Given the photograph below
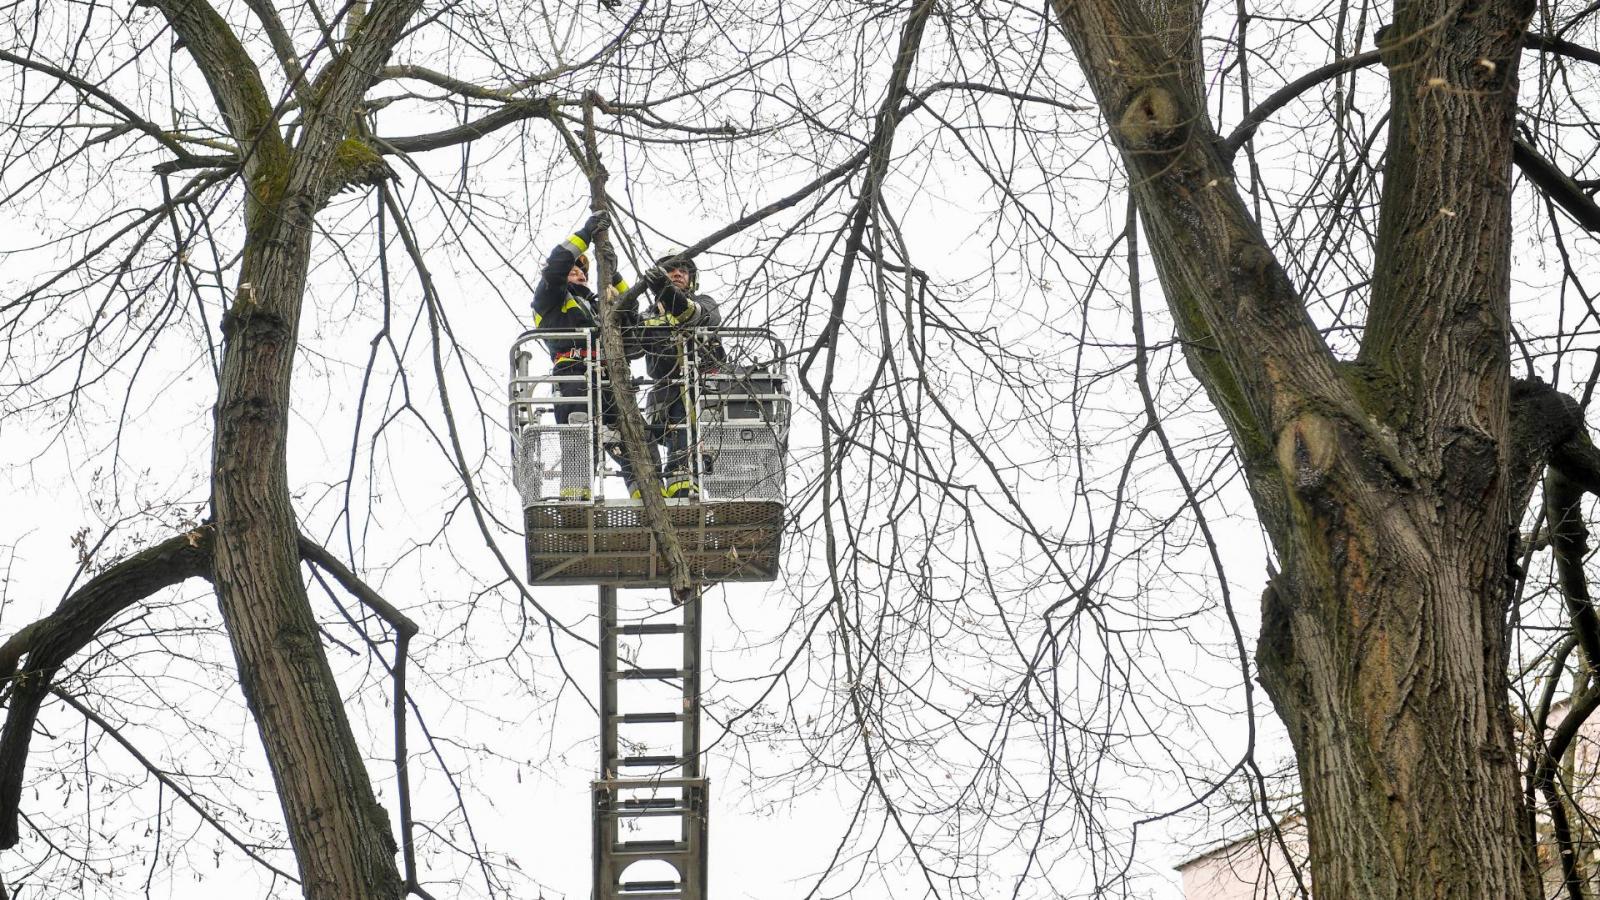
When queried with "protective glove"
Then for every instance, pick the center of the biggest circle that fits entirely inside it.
(655, 278)
(600, 219)
(674, 303)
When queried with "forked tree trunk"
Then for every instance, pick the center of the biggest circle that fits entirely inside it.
(1385, 485)
(341, 836)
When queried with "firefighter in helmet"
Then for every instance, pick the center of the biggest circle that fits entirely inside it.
(673, 357)
(563, 301)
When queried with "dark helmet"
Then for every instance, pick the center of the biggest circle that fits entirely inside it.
(582, 262)
(676, 260)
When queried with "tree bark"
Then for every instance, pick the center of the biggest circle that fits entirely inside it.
(1383, 654)
(1385, 486)
(341, 836)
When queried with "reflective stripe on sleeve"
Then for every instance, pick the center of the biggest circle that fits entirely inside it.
(578, 243)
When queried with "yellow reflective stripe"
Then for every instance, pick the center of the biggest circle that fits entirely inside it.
(680, 487)
(691, 311)
(570, 305)
(622, 286)
(578, 243)
(537, 320)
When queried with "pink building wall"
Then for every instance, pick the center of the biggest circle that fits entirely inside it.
(1256, 867)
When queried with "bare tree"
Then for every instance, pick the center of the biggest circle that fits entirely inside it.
(1023, 478)
(270, 112)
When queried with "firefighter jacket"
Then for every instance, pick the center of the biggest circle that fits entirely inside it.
(668, 319)
(671, 310)
(559, 306)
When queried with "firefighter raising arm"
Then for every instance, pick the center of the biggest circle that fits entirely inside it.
(562, 301)
(674, 283)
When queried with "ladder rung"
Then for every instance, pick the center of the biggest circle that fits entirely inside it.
(650, 886)
(650, 761)
(649, 718)
(641, 674)
(675, 894)
(649, 848)
(649, 803)
(650, 628)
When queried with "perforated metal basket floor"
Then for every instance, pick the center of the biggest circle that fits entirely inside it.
(611, 542)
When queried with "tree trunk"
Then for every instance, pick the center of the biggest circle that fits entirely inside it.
(341, 836)
(1384, 653)
(1385, 485)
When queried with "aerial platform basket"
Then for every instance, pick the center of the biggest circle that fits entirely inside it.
(581, 525)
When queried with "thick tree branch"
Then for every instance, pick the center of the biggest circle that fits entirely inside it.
(449, 82)
(1440, 309)
(404, 629)
(338, 89)
(1244, 327)
(1547, 428)
(1545, 423)
(509, 114)
(1557, 185)
(234, 81)
(1552, 44)
(1285, 95)
(49, 642)
(282, 46)
(1578, 459)
(1578, 712)
(314, 552)
(635, 436)
(1569, 541)
(1574, 470)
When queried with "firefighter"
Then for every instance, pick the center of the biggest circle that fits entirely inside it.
(562, 301)
(677, 306)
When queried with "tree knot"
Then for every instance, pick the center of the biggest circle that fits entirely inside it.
(1151, 120)
(1308, 450)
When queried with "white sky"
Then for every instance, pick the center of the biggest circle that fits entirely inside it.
(518, 739)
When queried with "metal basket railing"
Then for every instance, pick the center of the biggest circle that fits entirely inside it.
(730, 430)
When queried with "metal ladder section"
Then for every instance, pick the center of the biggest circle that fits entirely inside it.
(650, 801)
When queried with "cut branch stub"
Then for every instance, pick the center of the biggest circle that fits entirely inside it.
(1151, 121)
